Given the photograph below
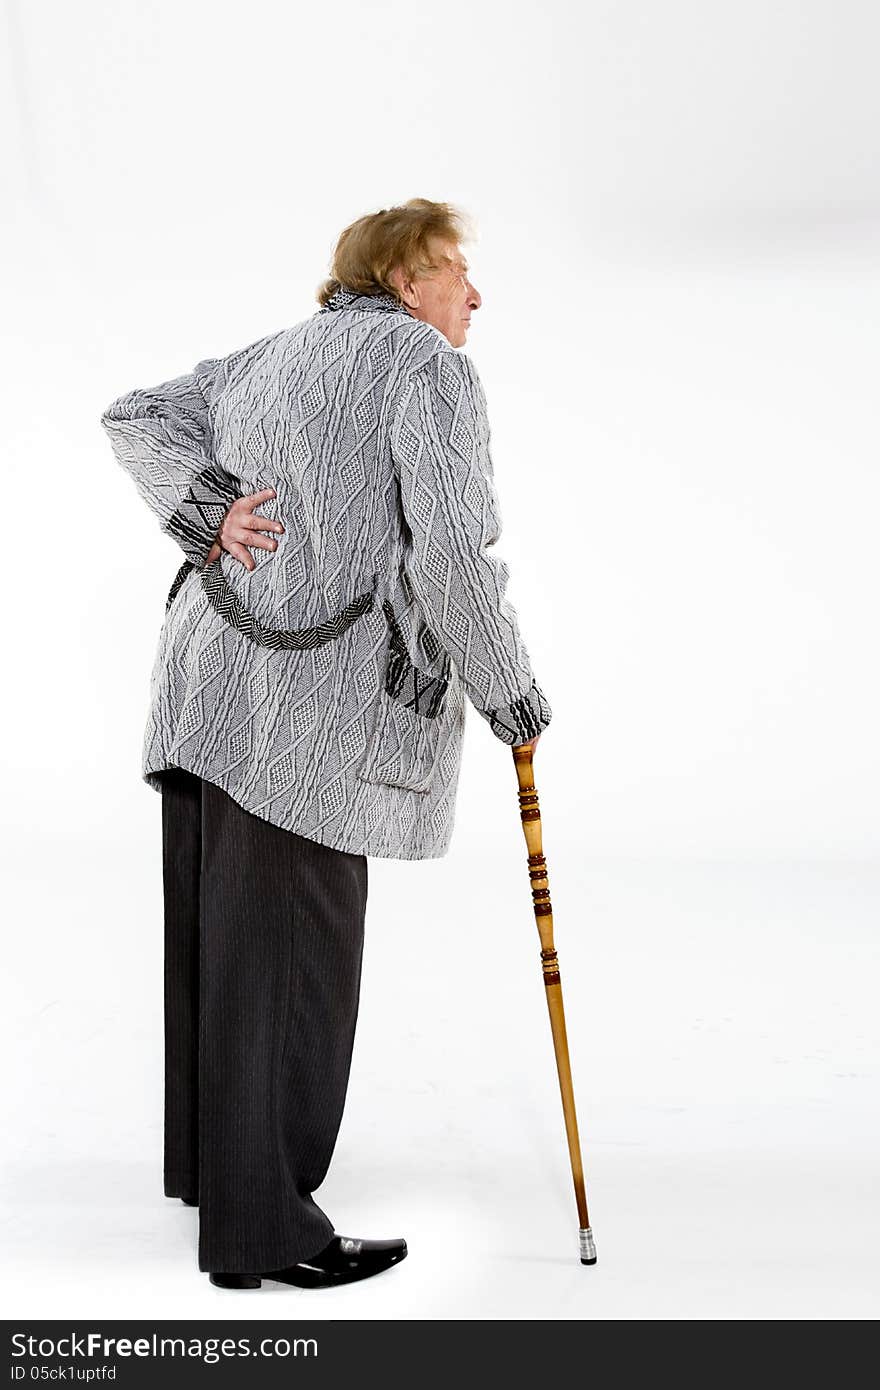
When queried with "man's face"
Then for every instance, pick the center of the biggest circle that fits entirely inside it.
(446, 298)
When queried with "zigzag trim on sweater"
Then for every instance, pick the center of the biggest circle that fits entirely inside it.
(230, 607)
(406, 682)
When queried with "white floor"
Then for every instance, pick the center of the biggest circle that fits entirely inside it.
(723, 1030)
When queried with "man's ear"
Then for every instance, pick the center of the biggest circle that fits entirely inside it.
(405, 288)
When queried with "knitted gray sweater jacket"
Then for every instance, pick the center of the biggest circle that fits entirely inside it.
(326, 690)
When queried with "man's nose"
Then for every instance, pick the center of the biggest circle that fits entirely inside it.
(474, 299)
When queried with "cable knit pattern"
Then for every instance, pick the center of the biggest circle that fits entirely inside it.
(326, 690)
(158, 438)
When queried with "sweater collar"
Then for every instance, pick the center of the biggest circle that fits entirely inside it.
(345, 298)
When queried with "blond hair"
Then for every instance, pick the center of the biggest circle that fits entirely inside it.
(370, 248)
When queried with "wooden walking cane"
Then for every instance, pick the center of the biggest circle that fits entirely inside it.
(530, 814)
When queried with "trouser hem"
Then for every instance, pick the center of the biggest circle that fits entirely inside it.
(280, 1257)
(180, 1185)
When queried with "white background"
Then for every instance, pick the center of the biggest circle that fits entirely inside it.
(678, 214)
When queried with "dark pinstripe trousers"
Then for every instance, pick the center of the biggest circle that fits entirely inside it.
(264, 936)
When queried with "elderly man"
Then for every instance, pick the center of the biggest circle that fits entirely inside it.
(331, 488)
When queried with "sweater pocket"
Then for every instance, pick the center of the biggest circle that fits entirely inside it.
(404, 748)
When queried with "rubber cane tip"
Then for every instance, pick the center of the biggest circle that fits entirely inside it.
(590, 1262)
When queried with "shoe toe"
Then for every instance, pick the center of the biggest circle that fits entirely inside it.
(348, 1258)
(348, 1245)
(345, 1260)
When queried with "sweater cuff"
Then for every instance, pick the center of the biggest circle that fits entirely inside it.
(197, 520)
(521, 720)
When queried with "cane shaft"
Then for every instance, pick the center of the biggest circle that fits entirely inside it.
(566, 1089)
(530, 814)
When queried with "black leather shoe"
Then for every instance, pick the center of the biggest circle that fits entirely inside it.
(341, 1262)
(190, 1201)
